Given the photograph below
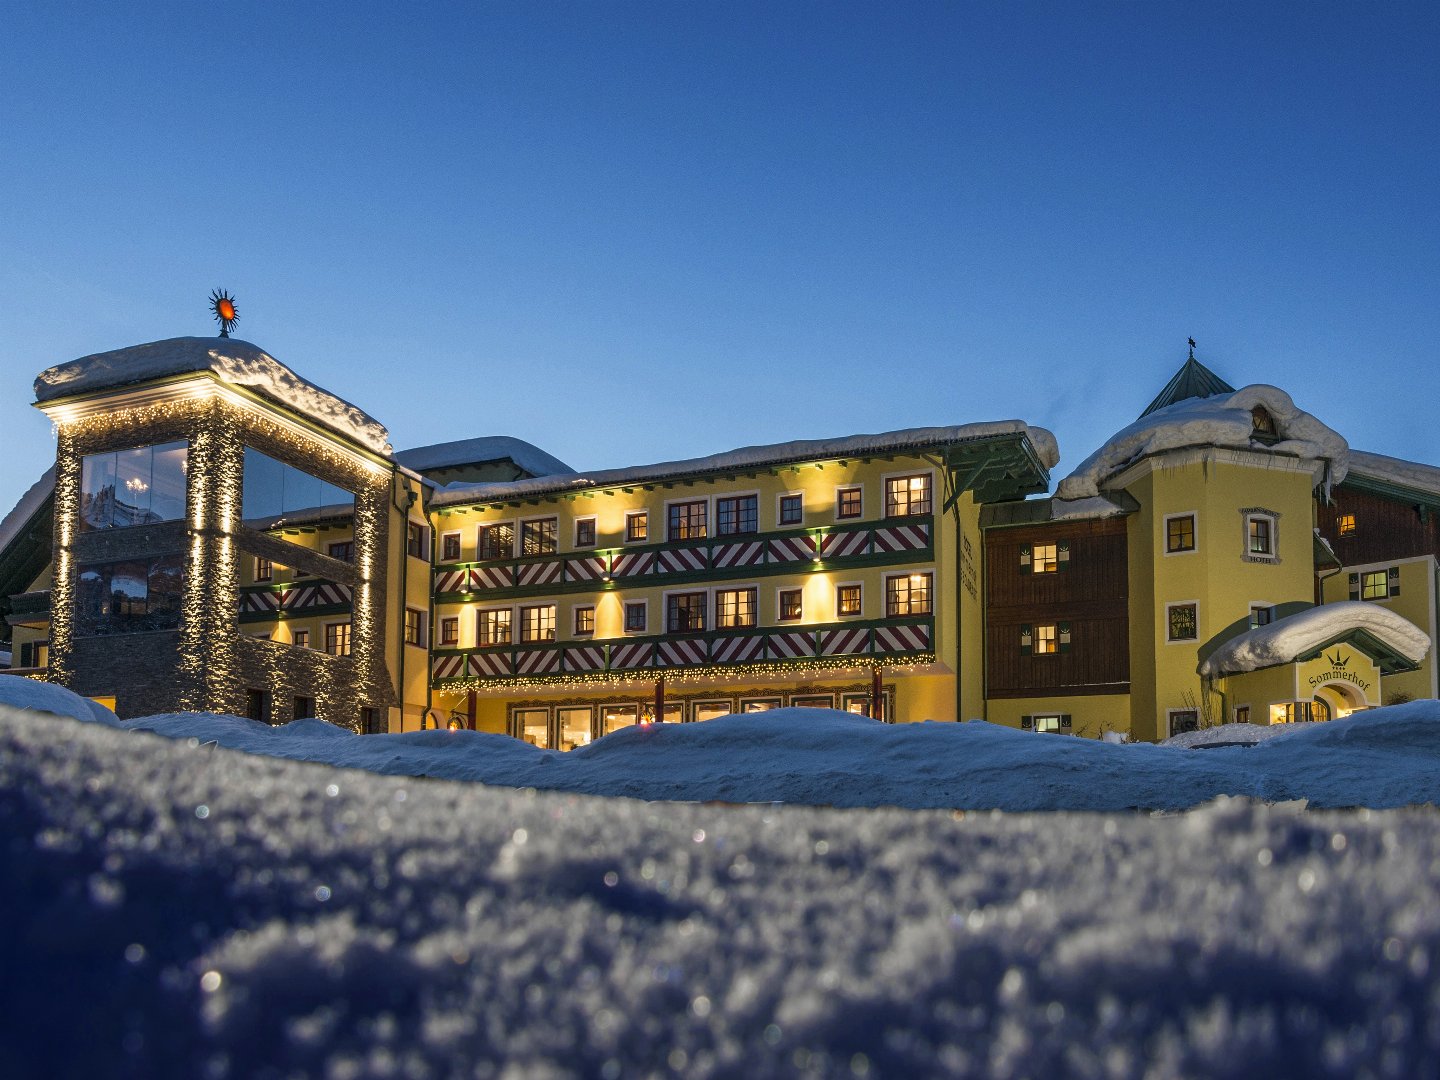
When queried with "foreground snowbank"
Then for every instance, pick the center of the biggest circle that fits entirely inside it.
(201, 913)
(19, 692)
(1387, 757)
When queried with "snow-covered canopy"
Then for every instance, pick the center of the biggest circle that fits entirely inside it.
(232, 361)
(487, 448)
(1409, 474)
(1286, 640)
(1224, 420)
(21, 513)
(750, 457)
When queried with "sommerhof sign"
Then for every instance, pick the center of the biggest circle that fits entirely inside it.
(1341, 664)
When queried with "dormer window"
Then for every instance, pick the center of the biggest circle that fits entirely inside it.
(1263, 424)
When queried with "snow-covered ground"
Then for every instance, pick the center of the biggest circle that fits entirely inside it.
(170, 907)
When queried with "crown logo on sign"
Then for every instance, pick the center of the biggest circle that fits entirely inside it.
(1337, 660)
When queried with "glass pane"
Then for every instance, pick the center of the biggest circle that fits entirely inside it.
(271, 489)
(167, 492)
(166, 578)
(614, 717)
(574, 727)
(710, 710)
(97, 491)
(534, 726)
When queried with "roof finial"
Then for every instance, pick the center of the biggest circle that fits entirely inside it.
(1192, 348)
(222, 306)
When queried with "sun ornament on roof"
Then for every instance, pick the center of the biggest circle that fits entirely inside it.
(222, 305)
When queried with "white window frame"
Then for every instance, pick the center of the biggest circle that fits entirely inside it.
(1194, 517)
(575, 631)
(1183, 603)
(779, 499)
(1250, 612)
(459, 535)
(835, 600)
(779, 589)
(514, 537)
(575, 533)
(1258, 513)
(924, 571)
(885, 479)
(625, 621)
(625, 537)
(709, 502)
(849, 487)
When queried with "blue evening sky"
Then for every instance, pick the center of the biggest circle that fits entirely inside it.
(635, 232)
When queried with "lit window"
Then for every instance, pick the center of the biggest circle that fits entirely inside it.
(1182, 622)
(908, 594)
(337, 639)
(792, 509)
(300, 639)
(1375, 585)
(450, 631)
(539, 537)
(493, 627)
(906, 496)
(584, 620)
(414, 627)
(537, 623)
(1046, 640)
(687, 520)
(1180, 533)
(450, 547)
(1051, 724)
(264, 569)
(734, 607)
(496, 541)
(635, 617)
(736, 515)
(533, 726)
(685, 612)
(1045, 559)
(848, 503)
(847, 600)
(133, 487)
(1345, 524)
(584, 532)
(574, 723)
(790, 604)
(1261, 531)
(344, 550)
(637, 527)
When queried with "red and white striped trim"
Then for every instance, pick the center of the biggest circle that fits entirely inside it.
(537, 662)
(748, 554)
(539, 573)
(681, 561)
(447, 581)
(316, 594)
(902, 538)
(490, 665)
(259, 602)
(447, 667)
(738, 650)
(586, 568)
(491, 577)
(632, 565)
(682, 653)
(845, 642)
(633, 654)
(792, 549)
(585, 658)
(789, 646)
(840, 545)
(899, 639)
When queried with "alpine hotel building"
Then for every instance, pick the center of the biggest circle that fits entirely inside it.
(219, 534)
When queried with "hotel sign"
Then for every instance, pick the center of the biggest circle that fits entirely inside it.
(1340, 664)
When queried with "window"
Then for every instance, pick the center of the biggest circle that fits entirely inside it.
(450, 547)
(1047, 723)
(539, 536)
(264, 569)
(1261, 615)
(257, 705)
(584, 620)
(734, 608)
(908, 594)
(1375, 584)
(790, 604)
(1046, 640)
(637, 526)
(1183, 720)
(492, 627)
(130, 597)
(1261, 532)
(1242, 714)
(270, 490)
(304, 707)
(736, 514)
(344, 550)
(792, 509)
(1182, 622)
(906, 496)
(1345, 524)
(495, 541)
(450, 631)
(847, 600)
(300, 639)
(685, 612)
(533, 726)
(337, 639)
(585, 532)
(1180, 533)
(635, 616)
(687, 520)
(848, 503)
(417, 541)
(34, 654)
(414, 627)
(574, 723)
(133, 487)
(1262, 423)
(1046, 559)
(537, 623)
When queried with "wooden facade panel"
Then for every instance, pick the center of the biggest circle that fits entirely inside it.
(1097, 661)
(1095, 570)
(1384, 529)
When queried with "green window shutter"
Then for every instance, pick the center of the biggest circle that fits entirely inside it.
(1394, 579)
(1027, 723)
(1024, 558)
(1026, 640)
(1354, 586)
(1062, 557)
(1064, 632)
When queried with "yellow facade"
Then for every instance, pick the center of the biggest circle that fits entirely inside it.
(1415, 601)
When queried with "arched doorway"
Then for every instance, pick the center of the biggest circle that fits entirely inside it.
(1336, 700)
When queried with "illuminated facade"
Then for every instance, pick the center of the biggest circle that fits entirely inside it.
(219, 534)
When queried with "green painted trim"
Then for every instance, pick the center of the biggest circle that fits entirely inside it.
(296, 614)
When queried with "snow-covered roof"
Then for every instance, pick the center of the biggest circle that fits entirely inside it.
(232, 361)
(750, 457)
(449, 455)
(24, 510)
(1410, 474)
(1223, 420)
(1286, 640)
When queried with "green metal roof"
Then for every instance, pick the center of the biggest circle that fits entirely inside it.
(1193, 380)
